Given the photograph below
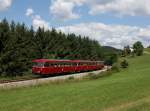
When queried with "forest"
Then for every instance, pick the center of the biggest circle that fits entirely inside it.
(19, 45)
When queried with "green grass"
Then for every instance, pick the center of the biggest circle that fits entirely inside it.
(128, 90)
(147, 49)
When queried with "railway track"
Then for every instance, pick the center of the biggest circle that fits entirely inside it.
(7, 84)
(16, 80)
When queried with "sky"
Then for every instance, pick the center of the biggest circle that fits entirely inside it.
(114, 23)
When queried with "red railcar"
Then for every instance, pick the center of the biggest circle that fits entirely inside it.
(47, 67)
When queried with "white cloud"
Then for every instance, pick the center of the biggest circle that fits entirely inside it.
(77, 2)
(4, 4)
(112, 35)
(29, 12)
(121, 7)
(37, 21)
(63, 9)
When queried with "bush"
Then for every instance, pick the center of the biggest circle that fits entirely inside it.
(115, 67)
(93, 76)
(124, 64)
(111, 59)
(71, 78)
(138, 48)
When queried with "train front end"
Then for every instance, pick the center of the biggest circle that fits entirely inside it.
(38, 67)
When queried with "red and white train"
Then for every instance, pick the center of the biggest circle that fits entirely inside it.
(49, 67)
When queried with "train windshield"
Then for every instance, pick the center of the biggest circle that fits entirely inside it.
(38, 64)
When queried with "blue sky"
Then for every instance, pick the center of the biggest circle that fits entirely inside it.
(112, 22)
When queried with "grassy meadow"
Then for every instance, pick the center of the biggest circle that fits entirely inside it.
(128, 90)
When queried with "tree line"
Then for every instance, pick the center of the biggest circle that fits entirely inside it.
(137, 49)
(19, 45)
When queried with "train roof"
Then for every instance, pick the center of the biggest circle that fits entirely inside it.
(57, 60)
(50, 60)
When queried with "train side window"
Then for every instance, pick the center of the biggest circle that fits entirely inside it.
(82, 64)
(56, 65)
(50, 64)
(46, 64)
(74, 64)
(59, 64)
(63, 65)
(53, 64)
(67, 64)
(79, 64)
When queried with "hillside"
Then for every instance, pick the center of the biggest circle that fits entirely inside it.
(147, 51)
(109, 49)
(127, 90)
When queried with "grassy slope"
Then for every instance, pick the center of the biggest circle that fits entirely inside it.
(125, 91)
(148, 49)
